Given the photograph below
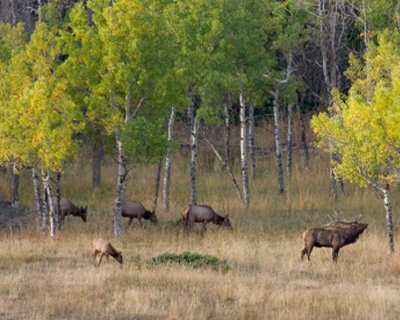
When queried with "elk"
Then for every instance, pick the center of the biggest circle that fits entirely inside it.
(68, 208)
(136, 210)
(332, 236)
(105, 249)
(203, 214)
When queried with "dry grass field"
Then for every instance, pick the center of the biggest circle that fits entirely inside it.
(44, 279)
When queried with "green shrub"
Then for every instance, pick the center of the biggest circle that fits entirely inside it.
(194, 260)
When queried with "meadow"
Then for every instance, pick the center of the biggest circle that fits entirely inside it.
(44, 279)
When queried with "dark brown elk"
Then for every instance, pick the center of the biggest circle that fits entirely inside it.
(136, 210)
(68, 208)
(334, 237)
(105, 249)
(203, 214)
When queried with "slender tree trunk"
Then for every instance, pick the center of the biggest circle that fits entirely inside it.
(303, 136)
(38, 200)
(227, 120)
(251, 142)
(13, 16)
(46, 178)
(39, 10)
(277, 134)
(58, 217)
(168, 161)
(389, 218)
(289, 141)
(46, 207)
(122, 173)
(228, 167)
(14, 184)
(243, 150)
(157, 186)
(194, 128)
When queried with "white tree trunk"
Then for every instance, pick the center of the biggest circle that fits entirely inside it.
(277, 135)
(122, 173)
(38, 199)
(157, 186)
(227, 120)
(194, 128)
(168, 161)
(289, 141)
(46, 178)
(251, 143)
(389, 218)
(243, 150)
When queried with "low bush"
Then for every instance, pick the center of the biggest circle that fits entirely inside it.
(194, 260)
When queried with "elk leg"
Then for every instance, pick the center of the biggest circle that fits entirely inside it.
(95, 252)
(101, 257)
(140, 222)
(107, 256)
(130, 221)
(303, 252)
(335, 254)
(309, 250)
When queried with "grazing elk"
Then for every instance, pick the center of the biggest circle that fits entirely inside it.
(203, 214)
(68, 208)
(136, 210)
(105, 249)
(334, 237)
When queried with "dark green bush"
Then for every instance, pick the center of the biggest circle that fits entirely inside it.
(194, 260)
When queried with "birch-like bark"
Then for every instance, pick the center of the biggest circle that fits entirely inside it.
(13, 16)
(97, 156)
(157, 186)
(289, 141)
(38, 200)
(50, 198)
(389, 218)
(227, 120)
(122, 173)
(277, 136)
(39, 10)
(194, 133)
(251, 142)
(303, 136)
(243, 150)
(45, 206)
(168, 161)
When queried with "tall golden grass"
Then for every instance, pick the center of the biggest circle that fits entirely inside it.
(44, 279)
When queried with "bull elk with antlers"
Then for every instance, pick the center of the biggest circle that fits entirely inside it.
(334, 235)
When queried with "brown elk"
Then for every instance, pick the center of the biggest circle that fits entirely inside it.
(68, 208)
(136, 210)
(203, 214)
(105, 249)
(332, 236)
